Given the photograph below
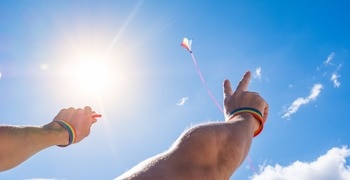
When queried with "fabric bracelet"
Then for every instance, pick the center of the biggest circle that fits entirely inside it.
(71, 132)
(254, 112)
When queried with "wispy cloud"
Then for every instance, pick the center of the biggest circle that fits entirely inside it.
(329, 58)
(315, 91)
(257, 73)
(330, 70)
(182, 101)
(334, 79)
(0, 74)
(331, 165)
(293, 108)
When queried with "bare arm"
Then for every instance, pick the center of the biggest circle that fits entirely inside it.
(212, 150)
(18, 143)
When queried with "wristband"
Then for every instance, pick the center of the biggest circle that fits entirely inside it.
(254, 112)
(71, 132)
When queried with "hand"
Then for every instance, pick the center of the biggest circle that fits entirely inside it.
(80, 119)
(243, 98)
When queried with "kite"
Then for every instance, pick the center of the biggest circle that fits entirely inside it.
(187, 43)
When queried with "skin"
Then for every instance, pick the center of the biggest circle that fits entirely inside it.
(37, 138)
(212, 150)
(206, 151)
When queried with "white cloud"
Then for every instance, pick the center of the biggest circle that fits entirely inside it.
(182, 101)
(257, 73)
(334, 79)
(315, 91)
(293, 108)
(0, 75)
(335, 75)
(329, 58)
(331, 165)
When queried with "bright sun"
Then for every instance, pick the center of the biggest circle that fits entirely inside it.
(91, 75)
(92, 68)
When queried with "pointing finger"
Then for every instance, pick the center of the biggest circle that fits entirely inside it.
(243, 84)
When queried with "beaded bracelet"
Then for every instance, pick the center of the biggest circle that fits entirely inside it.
(254, 112)
(71, 132)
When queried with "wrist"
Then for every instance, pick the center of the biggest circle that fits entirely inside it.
(59, 135)
(251, 114)
(246, 117)
(249, 117)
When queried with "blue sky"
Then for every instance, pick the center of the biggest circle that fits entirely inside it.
(123, 58)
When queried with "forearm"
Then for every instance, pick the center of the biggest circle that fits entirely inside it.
(222, 146)
(218, 148)
(240, 131)
(209, 151)
(212, 150)
(19, 143)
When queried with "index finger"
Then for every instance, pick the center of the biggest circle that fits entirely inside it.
(243, 84)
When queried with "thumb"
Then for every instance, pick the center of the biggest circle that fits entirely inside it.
(227, 88)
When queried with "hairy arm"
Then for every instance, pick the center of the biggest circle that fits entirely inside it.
(18, 143)
(212, 150)
(209, 151)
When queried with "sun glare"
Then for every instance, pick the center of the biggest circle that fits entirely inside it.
(88, 75)
(92, 75)
(90, 66)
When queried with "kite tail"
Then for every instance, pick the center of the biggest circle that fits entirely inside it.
(251, 165)
(205, 84)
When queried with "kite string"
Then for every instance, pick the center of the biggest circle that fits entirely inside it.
(251, 165)
(205, 84)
